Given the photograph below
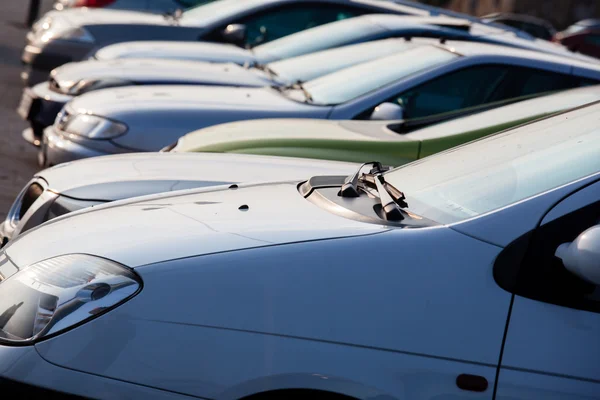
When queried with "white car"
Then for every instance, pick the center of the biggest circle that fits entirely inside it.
(157, 6)
(92, 182)
(427, 78)
(471, 274)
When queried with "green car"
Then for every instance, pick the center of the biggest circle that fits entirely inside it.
(390, 142)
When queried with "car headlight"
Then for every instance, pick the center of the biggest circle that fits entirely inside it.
(84, 86)
(89, 126)
(54, 295)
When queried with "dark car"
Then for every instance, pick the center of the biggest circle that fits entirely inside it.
(71, 35)
(582, 37)
(534, 26)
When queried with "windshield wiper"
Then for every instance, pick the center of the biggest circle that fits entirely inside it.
(174, 15)
(265, 68)
(298, 86)
(392, 200)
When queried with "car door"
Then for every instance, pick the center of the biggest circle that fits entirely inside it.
(274, 23)
(552, 342)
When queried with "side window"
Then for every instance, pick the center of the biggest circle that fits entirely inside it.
(277, 23)
(592, 39)
(460, 89)
(529, 81)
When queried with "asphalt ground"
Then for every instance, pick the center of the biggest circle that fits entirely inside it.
(17, 158)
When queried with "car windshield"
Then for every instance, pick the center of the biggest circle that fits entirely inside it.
(311, 66)
(322, 37)
(212, 12)
(351, 83)
(503, 169)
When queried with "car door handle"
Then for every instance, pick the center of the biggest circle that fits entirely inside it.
(472, 383)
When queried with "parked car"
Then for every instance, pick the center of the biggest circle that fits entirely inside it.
(428, 78)
(537, 27)
(88, 183)
(71, 35)
(40, 105)
(157, 6)
(582, 37)
(288, 290)
(391, 142)
(335, 34)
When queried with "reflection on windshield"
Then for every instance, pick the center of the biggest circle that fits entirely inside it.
(212, 12)
(311, 66)
(492, 173)
(323, 37)
(348, 84)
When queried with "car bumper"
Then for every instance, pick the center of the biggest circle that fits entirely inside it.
(40, 106)
(26, 375)
(56, 148)
(39, 61)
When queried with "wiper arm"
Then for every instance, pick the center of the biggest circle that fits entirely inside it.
(264, 67)
(392, 200)
(298, 86)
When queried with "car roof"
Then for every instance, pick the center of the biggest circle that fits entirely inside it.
(471, 49)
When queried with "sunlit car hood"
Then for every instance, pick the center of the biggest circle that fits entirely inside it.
(163, 227)
(224, 137)
(119, 177)
(87, 16)
(119, 101)
(212, 52)
(160, 71)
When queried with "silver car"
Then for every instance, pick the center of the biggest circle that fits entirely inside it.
(40, 104)
(471, 274)
(156, 6)
(88, 183)
(71, 35)
(426, 79)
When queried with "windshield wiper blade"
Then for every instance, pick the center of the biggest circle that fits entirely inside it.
(264, 67)
(392, 200)
(298, 86)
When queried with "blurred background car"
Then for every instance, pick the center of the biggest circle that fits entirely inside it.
(582, 37)
(391, 142)
(87, 183)
(425, 79)
(157, 6)
(71, 35)
(534, 26)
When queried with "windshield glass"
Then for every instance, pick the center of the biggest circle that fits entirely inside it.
(501, 170)
(350, 83)
(210, 13)
(323, 37)
(311, 66)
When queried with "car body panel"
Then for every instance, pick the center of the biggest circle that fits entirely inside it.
(189, 106)
(361, 140)
(213, 52)
(144, 71)
(411, 355)
(216, 214)
(92, 178)
(103, 179)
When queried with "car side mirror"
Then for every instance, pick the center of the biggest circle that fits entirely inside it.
(582, 256)
(387, 112)
(235, 34)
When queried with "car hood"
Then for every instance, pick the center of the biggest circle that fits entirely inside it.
(160, 71)
(93, 16)
(211, 52)
(121, 101)
(119, 177)
(245, 134)
(164, 227)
